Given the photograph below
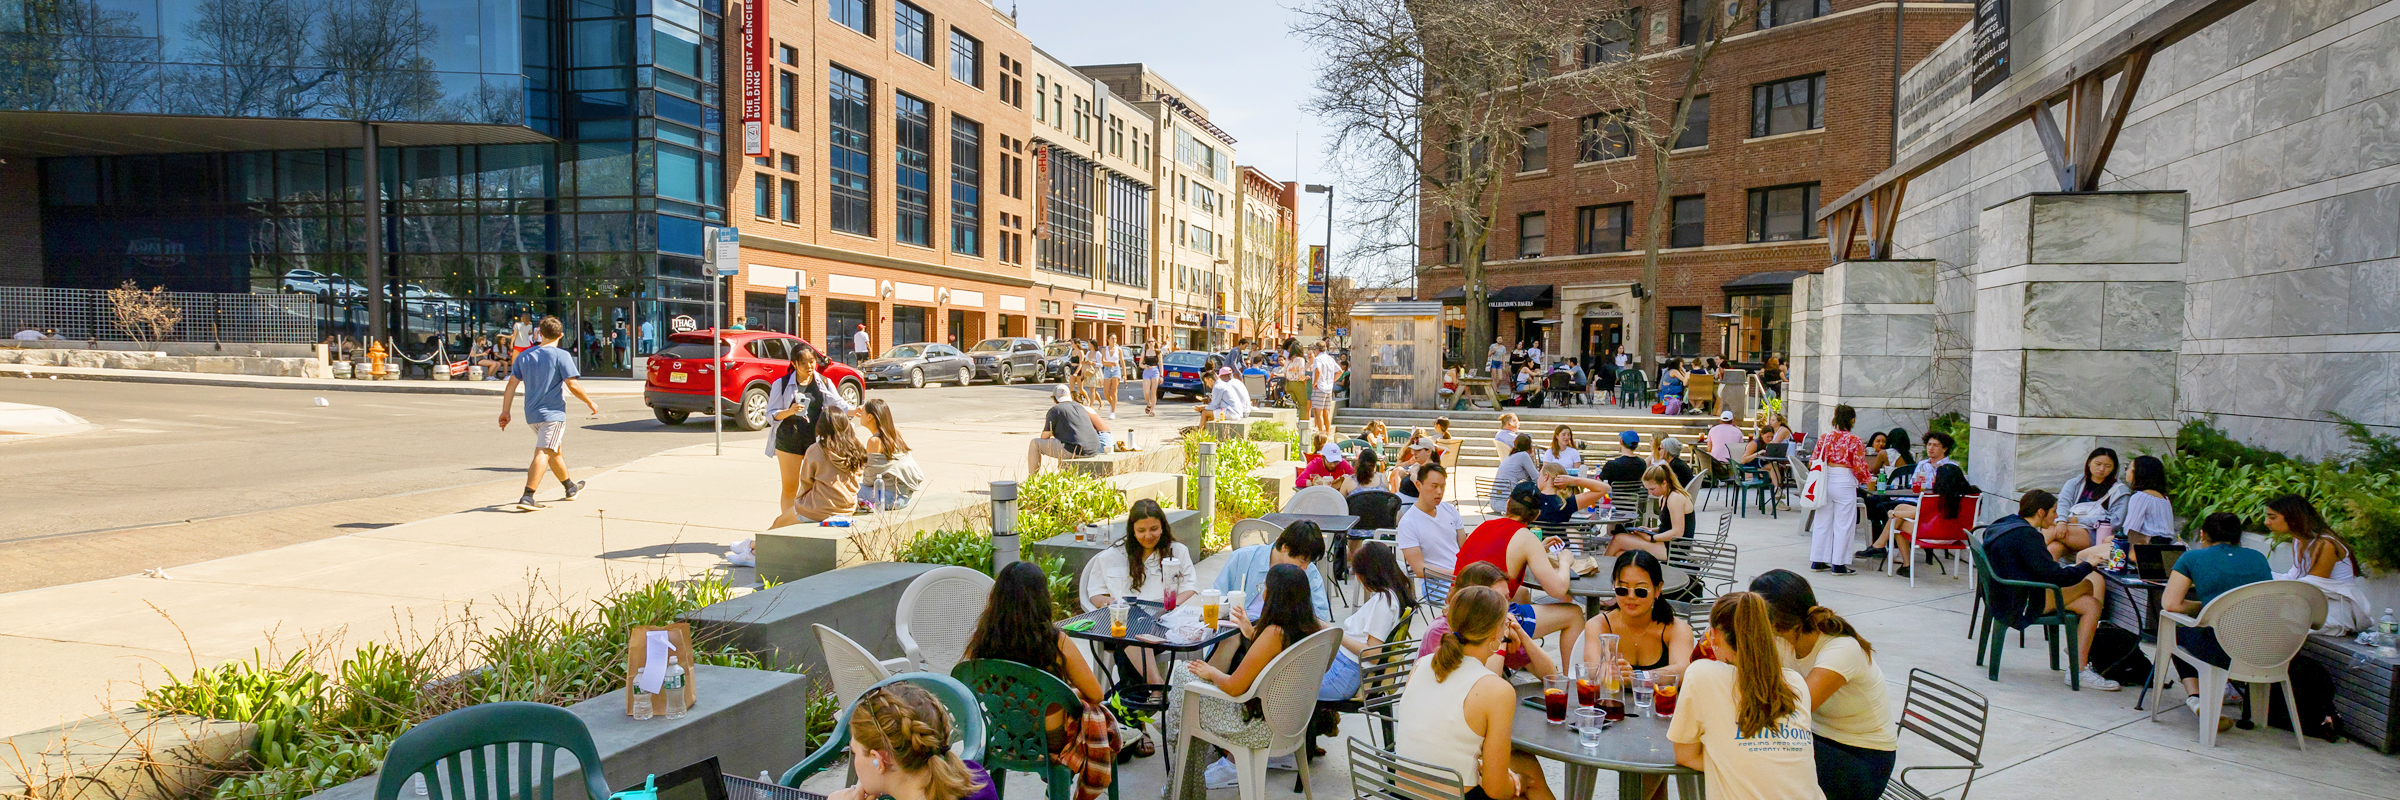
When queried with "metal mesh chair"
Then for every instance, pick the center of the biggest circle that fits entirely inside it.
(1382, 671)
(938, 613)
(1711, 570)
(1950, 716)
(2260, 626)
(1379, 774)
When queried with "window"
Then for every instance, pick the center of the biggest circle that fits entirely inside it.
(1536, 152)
(851, 14)
(1696, 17)
(762, 201)
(1602, 229)
(1012, 85)
(1116, 136)
(912, 180)
(1785, 12)
(787, 54)
(1537, 65)
(1041, 88)
(1613, 38)
(1787, 106)
(850, 114)
(1683, 331)
(966, 186)
(790, 207)
(1783, 213)
(1691, 222)
(1128, 232)
(1532, 229)
(1695, 125)
(1449, 242)
(787, 96)
(1759, 332)
(966, 59)
(1073, 196)
(1604, 137)
(912, 31)
(791, 163)
(1083, 119)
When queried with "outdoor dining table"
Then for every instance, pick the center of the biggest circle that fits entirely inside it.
(1593, 588)
(1325, 522)
(1631, 747)
(1142, 621)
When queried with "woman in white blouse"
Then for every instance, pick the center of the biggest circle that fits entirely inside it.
(2148, 511)
(1138, 569)
(1562, 449)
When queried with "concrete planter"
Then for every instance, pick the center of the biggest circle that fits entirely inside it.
(128, 755)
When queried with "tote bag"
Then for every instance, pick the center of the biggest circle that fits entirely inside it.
(1812, 493)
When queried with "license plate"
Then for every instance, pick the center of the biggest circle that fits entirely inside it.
(679, 377)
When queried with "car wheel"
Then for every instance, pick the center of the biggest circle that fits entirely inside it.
(966, 376)
(753, 414)
(852, 393)
(671, 416)
(916, 379)
(1008, 375)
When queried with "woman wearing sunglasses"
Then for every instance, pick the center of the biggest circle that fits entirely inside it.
(1649, 636)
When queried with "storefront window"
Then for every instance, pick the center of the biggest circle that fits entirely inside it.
(1762, 328)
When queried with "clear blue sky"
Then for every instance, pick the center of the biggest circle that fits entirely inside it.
(1236, 57)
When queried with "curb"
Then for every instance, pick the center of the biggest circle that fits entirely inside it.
(240, 381)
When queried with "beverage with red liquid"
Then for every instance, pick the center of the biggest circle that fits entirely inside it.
(1587, 692)
(1613, 708)
(1554, 705)
(1663, 698)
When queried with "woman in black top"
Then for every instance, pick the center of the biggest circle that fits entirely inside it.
(1771, 377)
(1648, 634)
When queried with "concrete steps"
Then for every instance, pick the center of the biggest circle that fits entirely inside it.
(1596, 431)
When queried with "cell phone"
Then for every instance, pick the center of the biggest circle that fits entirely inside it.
(1078, 625)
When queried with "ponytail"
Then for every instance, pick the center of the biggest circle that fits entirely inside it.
(906, 721)
(1823, 622)
(1762, 698)
(1792, 606)
(1475, 613)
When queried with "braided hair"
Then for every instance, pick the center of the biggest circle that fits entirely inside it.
(904, 721)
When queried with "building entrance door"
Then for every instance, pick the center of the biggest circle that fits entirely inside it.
(603, 337)
(1603, 335)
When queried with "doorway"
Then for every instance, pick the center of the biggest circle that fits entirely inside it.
(954, 329)
(603, 337)
(1603, 336)
(842, 318)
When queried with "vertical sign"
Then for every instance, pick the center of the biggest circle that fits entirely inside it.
(1316, 269)
(754, 78)
(728, 251)
(1989, 58)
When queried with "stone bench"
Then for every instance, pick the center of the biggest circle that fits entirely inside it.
(859, 601)
(750, 720)
(1287, 416)
(127, 755)
(1275, 480)
(793, 552)
(1232, 428)
(1166, 488)
(1162, 457)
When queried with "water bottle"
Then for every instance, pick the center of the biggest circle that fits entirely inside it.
(2388, 626)
(670, 691)
(766, 791)
(643, 707)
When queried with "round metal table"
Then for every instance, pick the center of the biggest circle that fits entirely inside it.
(1632, 747)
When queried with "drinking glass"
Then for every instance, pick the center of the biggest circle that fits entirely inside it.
(1587, 685)
(1641, 688)
(1588, 723)
(1554, 698)
(1211, 604)
(1664, 691)
(1116, 618)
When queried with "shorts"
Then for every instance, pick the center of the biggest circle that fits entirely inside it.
(1112, 373)
(1319, 398)
(546, 435)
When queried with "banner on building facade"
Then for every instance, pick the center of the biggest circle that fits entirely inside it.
(1989, 57)
(754, 78)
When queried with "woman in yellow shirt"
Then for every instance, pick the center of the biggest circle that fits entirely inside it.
(1743, 718)
(1857, 738)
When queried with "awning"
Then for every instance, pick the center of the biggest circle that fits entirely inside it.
(1455, 295)
(1764, 282)
(1522, 297)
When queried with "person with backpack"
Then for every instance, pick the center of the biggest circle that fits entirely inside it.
(2221, 566)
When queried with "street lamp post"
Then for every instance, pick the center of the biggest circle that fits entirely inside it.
(1325, 323)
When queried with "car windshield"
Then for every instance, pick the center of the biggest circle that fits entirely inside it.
(1185, 359)
(1054, 351)
(904, 351)
(683, 350)
(990, 346)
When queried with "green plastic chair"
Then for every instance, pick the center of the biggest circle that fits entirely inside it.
(1018, 701)
(523, 741)
(1994, 630)
(966, 715)
(1346, 445)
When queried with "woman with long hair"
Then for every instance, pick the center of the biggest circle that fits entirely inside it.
(1946, 499)
(900, 745)
(1562, 449)
(892, 475)
(1017, 625)
(1848, 465)
(797, 401)
(1675, 510)
(1891, 457)
(2094, 494)
(1286, 616)
(1857, 737)
(2322, 559)
(1389, 592)
(828, 474)
(1521, 552)
(1138, 569)
(1742, 717)
(1649, 636)
(2148, 510)
(1112, 372)
(1151, 374)
(1458, 712)
(1518, 650)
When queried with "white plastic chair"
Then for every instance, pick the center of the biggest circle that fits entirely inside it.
(1287, 692)
(1248, 532)
(1318, 500)
(1086, 586)
(937, 615)
(2261, 626)
(851, 667)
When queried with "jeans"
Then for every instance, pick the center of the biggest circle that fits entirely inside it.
(2201, 643)
(1341, 678)
(1852, 773)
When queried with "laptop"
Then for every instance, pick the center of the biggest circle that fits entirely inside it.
(700, 781)
(2152, 562)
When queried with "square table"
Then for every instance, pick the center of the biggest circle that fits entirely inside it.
(1632, 747)
(1143, 621)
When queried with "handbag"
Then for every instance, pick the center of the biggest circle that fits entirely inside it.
(1812, 493)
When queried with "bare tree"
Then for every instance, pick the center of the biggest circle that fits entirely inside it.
(241, 54)
(146, 317)
(1430, 102)
(375, 49)
(76, 55)
(1658, 141)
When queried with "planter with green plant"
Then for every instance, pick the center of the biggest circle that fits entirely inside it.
(2358, 491)
(974, 550)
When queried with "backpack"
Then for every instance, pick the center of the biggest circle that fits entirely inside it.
(2117, 655)
(2312, 688)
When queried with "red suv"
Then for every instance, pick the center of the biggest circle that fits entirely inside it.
(679, 379)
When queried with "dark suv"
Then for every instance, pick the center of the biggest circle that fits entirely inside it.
(1007, 359)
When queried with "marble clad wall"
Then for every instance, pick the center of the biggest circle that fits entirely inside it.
(1800, 395)
(1875, 345)
(2078, 324)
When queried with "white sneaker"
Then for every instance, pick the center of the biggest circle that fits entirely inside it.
(1222, 775)
(1283, 762)
(2092, 680)
(1112, 415)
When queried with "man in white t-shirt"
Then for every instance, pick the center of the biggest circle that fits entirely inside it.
(1227, 398)
(1428, 533)
(1724, 440)
(1325, 375)
(858, 345)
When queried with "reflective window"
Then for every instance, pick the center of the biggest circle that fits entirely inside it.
(851, 14)
(912, 31)
(1787, 106)
(966, 58)
(966, 186)
(912, 153)
(1783, 213)
(850, 114)
(1691, 222)
(1601, 229)
(1695, 125)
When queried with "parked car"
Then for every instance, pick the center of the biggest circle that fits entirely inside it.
(917, 362)
(1058, 359)
(1179, 372)
(333, 288)
(1008, 358)
(678, 379)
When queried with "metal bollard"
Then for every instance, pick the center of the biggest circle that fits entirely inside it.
(1205, 495)
(1004, 524)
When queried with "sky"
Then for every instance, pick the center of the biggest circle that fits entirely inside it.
(1237, 58)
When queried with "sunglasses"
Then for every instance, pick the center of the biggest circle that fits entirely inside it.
(1633, 591)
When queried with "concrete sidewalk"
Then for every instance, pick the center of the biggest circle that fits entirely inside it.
(461, 386)
(20, 421)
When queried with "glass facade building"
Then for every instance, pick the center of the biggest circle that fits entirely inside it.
(580, 153)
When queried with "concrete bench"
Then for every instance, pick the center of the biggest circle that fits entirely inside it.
(1166, 488)
(750, 720)
(793, 552)
(126, 755)
(1162, 457)
(1287, 416)
(1231, 428)
(859, 601)
(1275, 480)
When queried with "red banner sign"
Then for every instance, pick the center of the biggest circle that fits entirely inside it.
(754, 78)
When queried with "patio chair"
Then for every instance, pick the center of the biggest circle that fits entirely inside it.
(1710, 473)
(1378, 512)
(1382, 670)
(1561, 388)
(938, 613)
(1633, 389)
(1350, 444)
(1379, 774)
(1248, 532)
(436, 748)
(1287, 691)
(1629, 497)
(1711, 571)
(1750, 479)
(1694, 615)
(1679, 551)
(1017, 702)
(2261, 627)
(1318, 500)
(851, 668)
(1700, 395)
(967, 734)
(1933, 533)
(1950, 716)
(1994, 627)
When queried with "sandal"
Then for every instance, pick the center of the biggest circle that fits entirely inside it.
(1142, 748)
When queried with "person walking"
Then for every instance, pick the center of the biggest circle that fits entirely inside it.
(1112, 372)
(1325, 375)
(1150, 377)
(858, 345)
(544, 371)
(1846, 466)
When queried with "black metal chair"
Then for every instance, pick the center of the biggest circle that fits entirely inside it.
(1376, 510)
(1949, 715)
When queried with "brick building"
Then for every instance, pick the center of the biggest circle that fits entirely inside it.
(1266, 272)
(1095, 254)
(1196, 217)
(896, 192)
(1797, 101)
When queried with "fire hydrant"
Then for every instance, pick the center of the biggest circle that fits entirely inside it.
(375, 359)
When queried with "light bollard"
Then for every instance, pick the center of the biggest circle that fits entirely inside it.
(1004, 524)
(1205, 495)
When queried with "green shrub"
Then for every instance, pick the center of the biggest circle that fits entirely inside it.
(974, 550)
(1238, 497)
(1271, 430)
(2359, 492)
(2199, 439)
(1054, 502)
